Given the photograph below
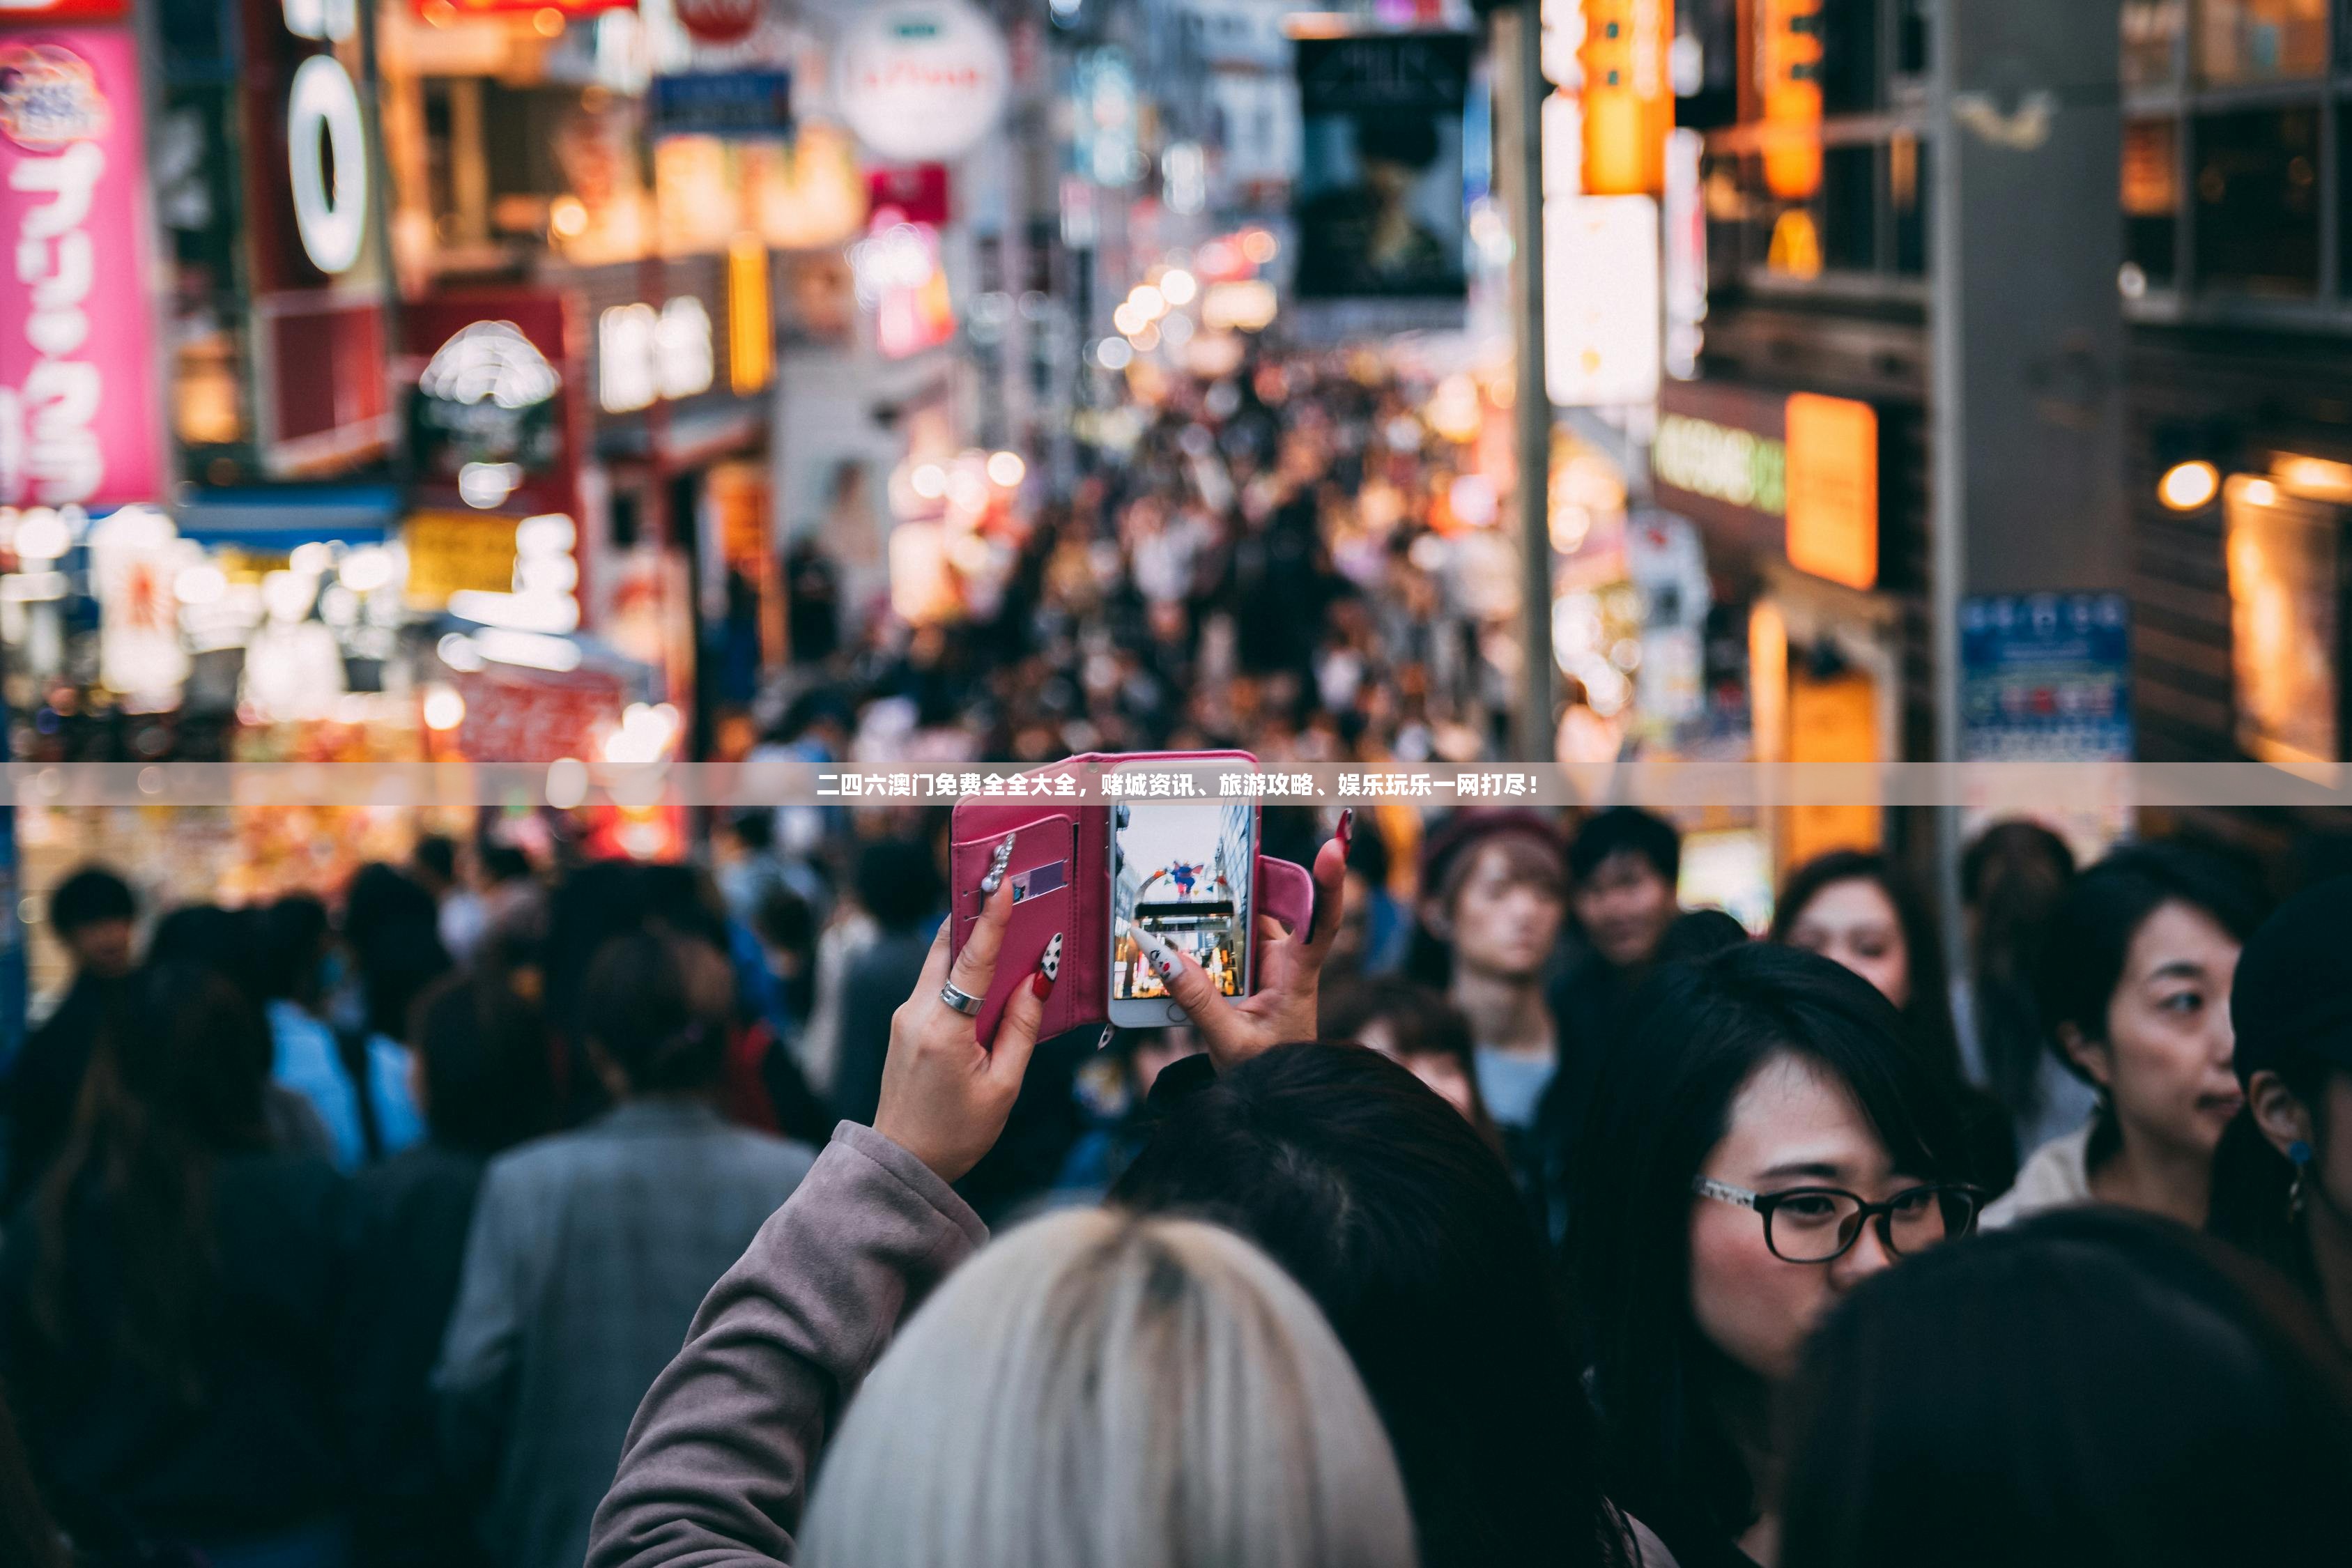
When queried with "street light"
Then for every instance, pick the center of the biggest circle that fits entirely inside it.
(2189, 486)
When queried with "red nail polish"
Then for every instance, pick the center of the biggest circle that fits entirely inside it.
(1042, 983)
(1347, 827)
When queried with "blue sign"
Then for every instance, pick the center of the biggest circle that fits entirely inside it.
(2045, 678)
(743, 105)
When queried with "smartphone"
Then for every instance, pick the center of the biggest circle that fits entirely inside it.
(1183, 870)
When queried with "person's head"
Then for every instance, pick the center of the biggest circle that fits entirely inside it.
(2289, 1153)
(502, 863)
(483, 1064)
(1099, 1388)
(297, 932)
(434, 862)
(754, 831)
(1368, 879)
(2095, 1387)
(1762, 1070)
(232, 943)
(898, 883)
(91, 914)
(1855, 908)
(1493, 886)
(1700, 933)
(2013, 876)
(2135, 980)
(1409, 1023)
(1621, 866)
(175, 1082)
(646, 1032)
(1406, 1229)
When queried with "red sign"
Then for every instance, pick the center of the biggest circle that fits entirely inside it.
(721, 21)
(14, 11)
(429, 9)
(919, 191)
(496, 415)
(518, 715)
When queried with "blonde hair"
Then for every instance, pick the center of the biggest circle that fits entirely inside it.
(1100, 1388)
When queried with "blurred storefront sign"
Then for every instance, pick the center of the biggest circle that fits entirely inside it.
(515, 714)
(80, 419)
(1627, 99)
(1601, 301)
(2285, 556)
(807, 194)
(1379, 201)
(18, 11)
(720, 21)
(1832, 495)
(922, 81)
(2046, 677)
(297, 262)
(917, 192)
(135, 559)
(457, 553)
(444, 9)
(492, 420)
(756, 104)
(1789, 55)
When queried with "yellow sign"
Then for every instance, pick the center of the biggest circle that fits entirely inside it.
(1790, 40)
(751, 319)
(1629, 99)
(1834, 719)
(1833, 488)
(449, 552)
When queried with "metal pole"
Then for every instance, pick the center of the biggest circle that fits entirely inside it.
(1519, 71)
(1947, 389)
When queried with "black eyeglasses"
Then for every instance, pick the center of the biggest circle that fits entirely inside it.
(1821, 1225)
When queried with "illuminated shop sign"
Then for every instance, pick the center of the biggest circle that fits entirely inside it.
(645, 355)
(1738, 467)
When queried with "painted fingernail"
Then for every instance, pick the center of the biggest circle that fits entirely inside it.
(1050, 967)
(1347, 827)
(1042, 983)
(1161, 956)
(1103, 1041)
(996, 864)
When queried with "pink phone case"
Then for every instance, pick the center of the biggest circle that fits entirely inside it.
(1066, 846)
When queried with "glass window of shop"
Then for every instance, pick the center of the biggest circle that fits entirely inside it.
(2242, 42)
(2153, 33)
(2257, 200)
(2152, 199)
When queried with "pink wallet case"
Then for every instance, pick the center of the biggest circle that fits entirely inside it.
(1060, 871)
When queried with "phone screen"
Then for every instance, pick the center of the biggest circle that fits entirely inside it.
(1182, 870)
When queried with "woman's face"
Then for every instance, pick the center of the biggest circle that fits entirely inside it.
(2165, 1060)
(1440, 1070)
(1792, 1124)
(1855, 923)
(1504, 924)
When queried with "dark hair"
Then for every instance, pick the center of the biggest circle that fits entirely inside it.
(637, 1008)
(90, 895)
(784, 919)
(1623, 829)
(437, 853)
(2090, 939)
(754, 829)
(175, 1082)
(1694, 1034)
(394, 928)
(1421, 1022)
(2095, 1387)
(1699, 933)
(2013, 876)
(899, 882)
(295, 931)
(1928, 1015)
(231, 943)
(488, 1072)
(502, 862)
(1384, 1204)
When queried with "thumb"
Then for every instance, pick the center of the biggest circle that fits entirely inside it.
(1016, 1031)
(1188, 984)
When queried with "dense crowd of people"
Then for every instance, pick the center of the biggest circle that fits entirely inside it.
(510, 1208)
(1570, 1227)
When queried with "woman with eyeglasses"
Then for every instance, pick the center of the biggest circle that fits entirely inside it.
(2135, 986)
(1760, 1143)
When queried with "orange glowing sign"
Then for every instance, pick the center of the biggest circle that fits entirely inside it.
(1629, 97)
(1833, 488)
(1788, 65)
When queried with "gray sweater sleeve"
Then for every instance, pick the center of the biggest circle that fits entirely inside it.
(715, 1471)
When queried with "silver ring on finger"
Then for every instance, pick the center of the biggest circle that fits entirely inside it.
(962, 1001)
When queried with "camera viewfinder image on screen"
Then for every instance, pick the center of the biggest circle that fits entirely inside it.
(1181, 871)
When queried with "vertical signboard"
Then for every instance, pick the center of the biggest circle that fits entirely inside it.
(1379, 208)
(78, 422)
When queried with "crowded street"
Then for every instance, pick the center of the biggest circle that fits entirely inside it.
(1175, 784)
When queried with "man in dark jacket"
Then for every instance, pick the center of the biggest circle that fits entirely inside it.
(90, 915)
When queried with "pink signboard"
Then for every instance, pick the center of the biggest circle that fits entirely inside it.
(78, 418)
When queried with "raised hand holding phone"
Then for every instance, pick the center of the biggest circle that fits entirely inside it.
(1289, 971)
(945, 1097)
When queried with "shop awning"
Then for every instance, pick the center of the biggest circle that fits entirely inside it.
(277, 520)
